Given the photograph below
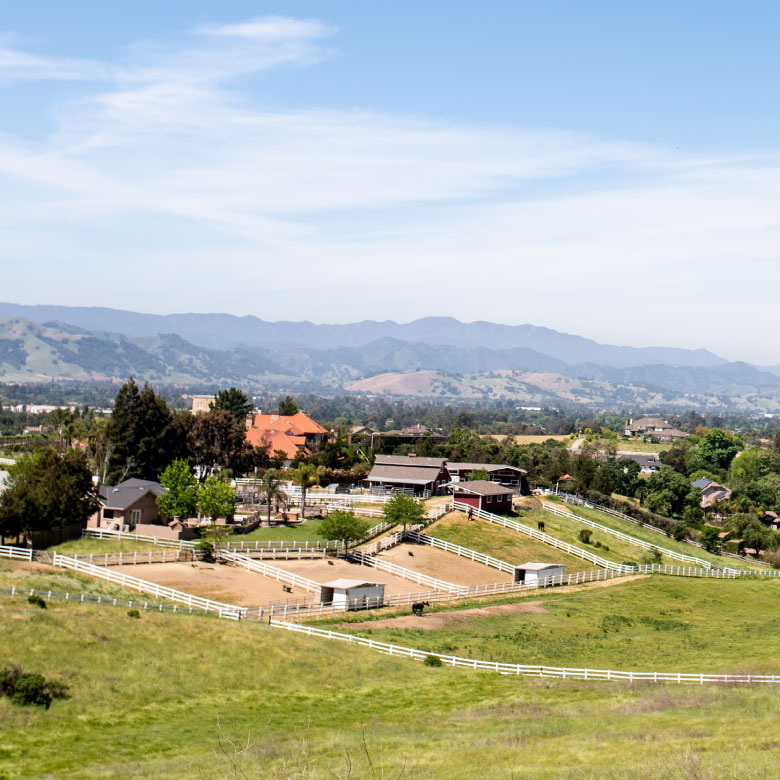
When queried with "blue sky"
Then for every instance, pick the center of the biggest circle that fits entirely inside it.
(599, 168)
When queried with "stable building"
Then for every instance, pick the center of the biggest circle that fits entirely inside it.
(352, 594)
(409, 474)
(539, 573)
(509, 476)
(481, 494)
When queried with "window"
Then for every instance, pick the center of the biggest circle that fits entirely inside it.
(135, 516)
(489, 499)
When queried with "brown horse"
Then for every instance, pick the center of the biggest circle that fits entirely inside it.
(418, 607)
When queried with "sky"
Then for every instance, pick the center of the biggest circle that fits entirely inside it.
(608, 169)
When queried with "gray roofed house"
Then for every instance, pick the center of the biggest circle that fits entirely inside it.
(128, 504)
(502, 473)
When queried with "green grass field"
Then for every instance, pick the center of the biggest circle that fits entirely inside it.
(503, 543)
(647, 535)
(304, 532)
(86, 545)
(649, 624)
(155, 697)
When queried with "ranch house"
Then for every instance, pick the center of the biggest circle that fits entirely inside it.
(128, 504)
(481, 494)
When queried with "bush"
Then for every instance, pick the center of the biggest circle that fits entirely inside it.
(207, 548)
(651, 556)
(133, 613)
(36, 601)
(584, 535)
(24, 688)
(432, 660)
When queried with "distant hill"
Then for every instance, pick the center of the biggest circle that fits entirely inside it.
(33, 352)
(224, 331)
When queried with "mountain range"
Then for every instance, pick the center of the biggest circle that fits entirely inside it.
(431, 357)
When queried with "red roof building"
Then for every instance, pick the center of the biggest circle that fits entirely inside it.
(294, 435)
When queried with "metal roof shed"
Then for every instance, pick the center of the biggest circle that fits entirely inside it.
(352, 594)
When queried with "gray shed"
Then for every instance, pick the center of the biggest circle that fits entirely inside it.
(352, 594)
(536, 573)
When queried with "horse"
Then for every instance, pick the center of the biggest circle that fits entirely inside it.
(418, 607)
(540, 525)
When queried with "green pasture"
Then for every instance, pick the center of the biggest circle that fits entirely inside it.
(503, 543)
(183, 696)
(307, 531)
(639, 532)
(656, 623)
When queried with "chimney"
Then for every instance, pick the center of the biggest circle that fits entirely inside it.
(412, 454)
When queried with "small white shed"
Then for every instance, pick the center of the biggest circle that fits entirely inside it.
(535, 573)
(352, 594)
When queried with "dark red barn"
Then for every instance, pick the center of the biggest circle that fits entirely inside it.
(484, 495)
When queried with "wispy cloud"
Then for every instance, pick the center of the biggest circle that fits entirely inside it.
(167, 164)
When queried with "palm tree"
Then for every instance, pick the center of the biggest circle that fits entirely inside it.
(271, 490)
(306, 476)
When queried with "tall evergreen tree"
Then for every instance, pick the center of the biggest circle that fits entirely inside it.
(233, 401)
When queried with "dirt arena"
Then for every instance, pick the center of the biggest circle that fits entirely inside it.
(443, 565)
(220, 582)
(322, 571)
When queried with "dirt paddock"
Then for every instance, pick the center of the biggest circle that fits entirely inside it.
(443, 565)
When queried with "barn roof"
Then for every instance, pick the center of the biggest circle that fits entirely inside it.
(540, 566)
(344, 583)
(409, 461)
(481, 487)
(406, 476)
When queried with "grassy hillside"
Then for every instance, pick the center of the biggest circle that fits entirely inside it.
(153, 698)
(651, 623)
(502, 543)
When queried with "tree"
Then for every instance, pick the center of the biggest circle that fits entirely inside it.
(216, 498)
(306, 477)
(271, 489)
(478, 474)
(218, 441)
(708, 538)
(288, 407)
(142, 434)
(717, 448)
(343, 526)
(181, 500)
(404, 510)
(47, 490)
(233, 401)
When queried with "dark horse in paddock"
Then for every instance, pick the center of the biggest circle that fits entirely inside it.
(540, 525)
(418, 607)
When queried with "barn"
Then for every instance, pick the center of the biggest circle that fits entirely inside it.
(503, 473)
(352, 594)
(537, 573)
(408, 473)
(485, 495)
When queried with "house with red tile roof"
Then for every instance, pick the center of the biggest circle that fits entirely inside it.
(294, 435)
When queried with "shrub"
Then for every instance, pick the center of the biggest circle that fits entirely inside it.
(584, 535)
(772, 557)
(651, 556)
(36, 601)
(24, 688)
(207, 548)
(133, 613)
(432, 660)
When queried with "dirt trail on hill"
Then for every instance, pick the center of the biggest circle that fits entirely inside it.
(436, 620)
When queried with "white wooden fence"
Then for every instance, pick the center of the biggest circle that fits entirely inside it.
(403, 573)
(281, 575)
(104, 533)
(531, 670)
(463, 552)
(144, 586)
(540, 536)
(675, 556)
(571, 498)
(106, 601)
(142, 556)
(17, 553)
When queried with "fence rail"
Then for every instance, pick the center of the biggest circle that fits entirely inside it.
(530, 670)
(675, 556)
(108, 601)
(104, 533)
(543, 537)
(463, 552)
(142, 556)
(145, 586)
(16, 553)
(571, 498)
(403, 573)
(281, 575)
